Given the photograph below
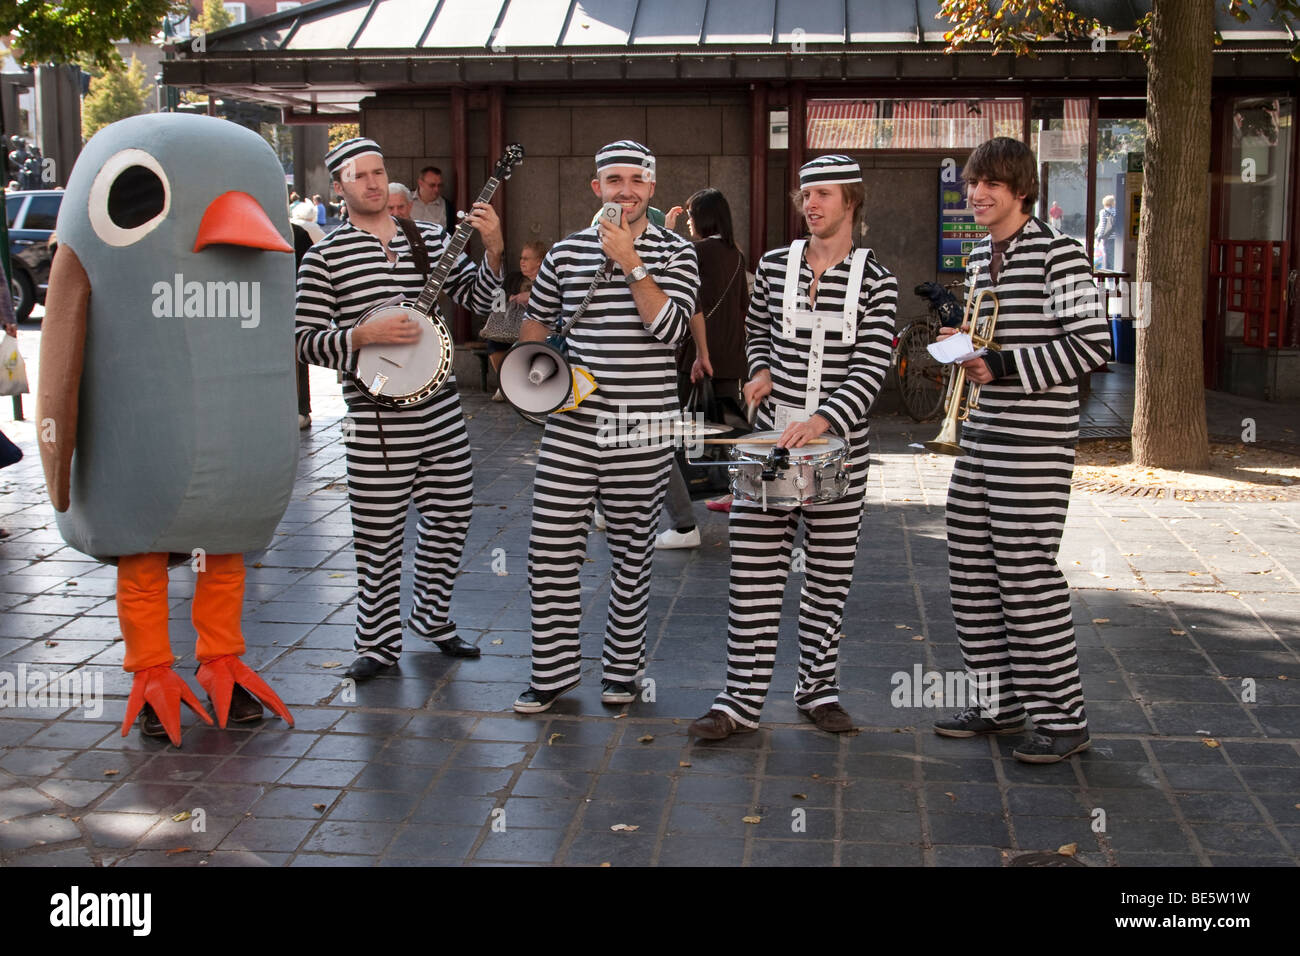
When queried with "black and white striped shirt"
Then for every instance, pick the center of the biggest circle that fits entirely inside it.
(852, 375)
(1052, 330)
(632, 362)
(347, 274)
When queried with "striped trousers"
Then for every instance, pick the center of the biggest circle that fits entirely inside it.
(579, 462)
(1006, 512)
(427, 461)
(762, 546)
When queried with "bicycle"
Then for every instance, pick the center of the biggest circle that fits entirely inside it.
(922, 382)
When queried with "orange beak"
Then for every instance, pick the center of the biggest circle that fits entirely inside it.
(236, 219)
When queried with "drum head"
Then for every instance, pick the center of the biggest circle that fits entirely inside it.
(752, 449)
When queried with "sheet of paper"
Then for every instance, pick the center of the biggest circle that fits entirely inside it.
(955, 348)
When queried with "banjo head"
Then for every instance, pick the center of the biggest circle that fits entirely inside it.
(405, 375)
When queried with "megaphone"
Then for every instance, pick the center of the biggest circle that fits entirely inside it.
(536, 378)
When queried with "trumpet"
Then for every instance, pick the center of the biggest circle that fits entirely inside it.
(963, 396)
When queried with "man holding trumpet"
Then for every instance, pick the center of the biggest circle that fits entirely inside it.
(1011, 486)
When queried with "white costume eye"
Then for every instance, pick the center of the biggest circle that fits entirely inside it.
(129, 198)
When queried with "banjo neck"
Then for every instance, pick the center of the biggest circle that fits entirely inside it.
(455, 246)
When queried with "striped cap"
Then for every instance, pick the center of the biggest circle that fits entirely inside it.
(349, 150)
(626, 152)
(824, 170)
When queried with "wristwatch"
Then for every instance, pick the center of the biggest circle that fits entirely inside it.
(637, 274)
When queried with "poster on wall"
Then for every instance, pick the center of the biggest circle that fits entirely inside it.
(958, 231)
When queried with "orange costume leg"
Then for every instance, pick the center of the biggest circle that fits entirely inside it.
(142, 615)
(217, 609)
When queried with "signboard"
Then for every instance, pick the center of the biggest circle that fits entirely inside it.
(958, 232)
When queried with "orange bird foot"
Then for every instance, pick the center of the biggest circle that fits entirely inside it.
(164, 690)
(219, 677)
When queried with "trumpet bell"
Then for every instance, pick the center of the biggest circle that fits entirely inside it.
(945, 443)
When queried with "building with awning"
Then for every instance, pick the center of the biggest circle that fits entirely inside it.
(737, 94)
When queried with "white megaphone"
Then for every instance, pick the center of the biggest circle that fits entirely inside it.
(536, 378)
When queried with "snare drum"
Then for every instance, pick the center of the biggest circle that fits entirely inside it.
(809, 475)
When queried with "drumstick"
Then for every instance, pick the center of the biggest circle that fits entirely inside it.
(756, 441)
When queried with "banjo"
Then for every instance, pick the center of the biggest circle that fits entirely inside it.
(400, 376)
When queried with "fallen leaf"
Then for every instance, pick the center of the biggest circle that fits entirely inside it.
(1101, 620)
(1281, 677)
(179, 849)
(950, 795)
(902, 627)
(497, 641)
(332, 664)
(51, 643)
(919, 637)
(620, 716)
(553, 738)
(181, 817)
(606, 863)
(816, 776)
(645, 739)
(751, 819)
(799, 796)
(1175, 631)
(257, 564)
(318, 807)
(624, 827)
(683, 763)
(111, 773)
(1210, 742)
(1069, 849)
(336, 575)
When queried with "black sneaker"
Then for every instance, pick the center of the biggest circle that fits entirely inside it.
(617, 692)
(969, 723)
(150, 725)
(534, 701)
(1045, 748)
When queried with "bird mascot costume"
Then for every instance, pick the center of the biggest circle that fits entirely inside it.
(166, 394)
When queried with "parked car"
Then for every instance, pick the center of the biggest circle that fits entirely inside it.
(31, 215)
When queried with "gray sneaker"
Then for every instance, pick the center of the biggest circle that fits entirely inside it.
(969, 723)
(1053, 748)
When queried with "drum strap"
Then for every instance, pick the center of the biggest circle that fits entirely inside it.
(419, 251)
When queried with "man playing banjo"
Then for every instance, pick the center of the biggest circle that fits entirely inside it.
(395, 455)
(818, 338)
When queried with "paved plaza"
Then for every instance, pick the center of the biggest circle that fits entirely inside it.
(1187, 629)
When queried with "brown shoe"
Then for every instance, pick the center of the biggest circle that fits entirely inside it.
(715, 725)
(831, 718)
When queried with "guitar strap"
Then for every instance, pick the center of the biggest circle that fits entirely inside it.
(419, 251)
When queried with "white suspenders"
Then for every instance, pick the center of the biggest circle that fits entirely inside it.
(820, 323)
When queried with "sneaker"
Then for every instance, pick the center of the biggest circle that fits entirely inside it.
(715, 725)
(969, 723)
(667, 540)
(534, 701)
(831, 718)
(304, 422)
(498, 396)
(598, 520)
(1045, 748)
(719, 504)
(617, 692)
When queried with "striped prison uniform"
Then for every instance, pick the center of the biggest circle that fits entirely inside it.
(1011, 486)
(587, 453)
(762, 542)
(395, 456)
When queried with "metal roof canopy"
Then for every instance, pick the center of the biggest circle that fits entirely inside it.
(330, 54)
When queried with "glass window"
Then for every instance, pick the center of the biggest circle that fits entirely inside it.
(1058, 135)
(1255, 170)
(12, 205)
(43, 212)
(1121, 146)
(238, 11)
(911, 124)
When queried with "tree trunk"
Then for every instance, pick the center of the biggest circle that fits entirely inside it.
(1169, 428)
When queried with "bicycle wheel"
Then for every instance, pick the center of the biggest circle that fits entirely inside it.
(922, 382)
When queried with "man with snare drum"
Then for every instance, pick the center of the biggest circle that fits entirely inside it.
(395, 455)
(818, 338)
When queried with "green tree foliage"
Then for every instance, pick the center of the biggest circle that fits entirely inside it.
(114, 95)
(47, 32)
(214, 17)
